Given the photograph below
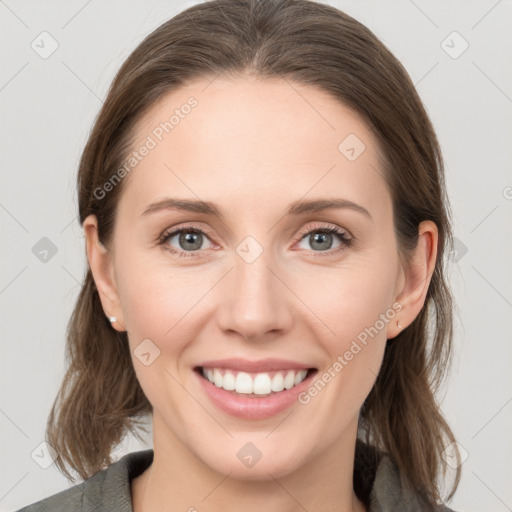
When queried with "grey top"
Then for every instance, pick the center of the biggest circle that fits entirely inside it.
(109, 490)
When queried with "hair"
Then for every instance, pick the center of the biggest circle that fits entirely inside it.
(313, 44)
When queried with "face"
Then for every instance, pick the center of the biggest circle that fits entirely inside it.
(250, 294)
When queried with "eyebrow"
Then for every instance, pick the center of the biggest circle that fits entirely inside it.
(295, 208)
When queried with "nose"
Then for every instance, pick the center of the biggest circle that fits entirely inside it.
(254, 300)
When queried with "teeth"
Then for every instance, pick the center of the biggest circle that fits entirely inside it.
(243, 383)
(289, 380)
(298, 378)
(229, 382)
(277, 382)
(217, 378)
(262, 384)
(258, 384)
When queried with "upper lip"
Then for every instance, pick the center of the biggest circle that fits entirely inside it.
(262, 365)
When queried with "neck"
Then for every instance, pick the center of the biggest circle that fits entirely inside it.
(178, 480)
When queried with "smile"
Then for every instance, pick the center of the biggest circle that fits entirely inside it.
(253, 390)
(261, 384)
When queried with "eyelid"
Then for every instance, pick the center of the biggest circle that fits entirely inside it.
(184, 227)
(323, 225)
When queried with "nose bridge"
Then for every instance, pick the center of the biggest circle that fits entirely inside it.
(256, 301)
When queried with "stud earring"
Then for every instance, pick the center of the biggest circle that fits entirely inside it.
(112, 319)
(399, 325)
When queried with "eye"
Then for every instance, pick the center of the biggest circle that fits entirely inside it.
(188, 238)
(321, 239)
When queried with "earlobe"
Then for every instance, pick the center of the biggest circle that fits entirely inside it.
(397, 326)
(418, 272)
(100, 263)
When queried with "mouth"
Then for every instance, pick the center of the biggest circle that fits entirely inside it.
(253, 389)
(255, 384)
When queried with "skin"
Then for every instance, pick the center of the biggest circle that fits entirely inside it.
(253, 147)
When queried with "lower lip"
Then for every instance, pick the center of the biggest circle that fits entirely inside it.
(252, 407)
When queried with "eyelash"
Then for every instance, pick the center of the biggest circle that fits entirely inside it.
(346, 241)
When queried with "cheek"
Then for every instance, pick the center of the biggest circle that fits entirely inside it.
(356, 309)
(350, 300)
(148, 308)
(154, 296)
(164, 312)
(158, 311)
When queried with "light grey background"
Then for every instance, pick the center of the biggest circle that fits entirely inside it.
(48, 106)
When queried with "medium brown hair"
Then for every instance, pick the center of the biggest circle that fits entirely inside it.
(100, 399)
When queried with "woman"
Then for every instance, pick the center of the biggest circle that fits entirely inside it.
(265, 214)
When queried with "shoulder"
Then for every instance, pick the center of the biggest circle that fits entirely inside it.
(381, 486)
(107, 490)
(390, 491)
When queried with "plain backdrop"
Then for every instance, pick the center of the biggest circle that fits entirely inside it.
(58, 59)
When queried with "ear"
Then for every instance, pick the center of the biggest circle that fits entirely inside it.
(100, 262)
(416, 275)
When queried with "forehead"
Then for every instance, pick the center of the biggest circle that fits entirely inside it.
(255, 140)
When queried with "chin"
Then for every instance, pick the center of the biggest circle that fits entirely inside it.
(255, 460)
